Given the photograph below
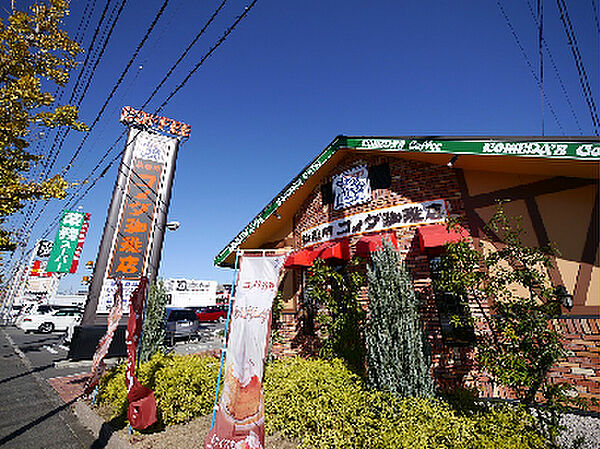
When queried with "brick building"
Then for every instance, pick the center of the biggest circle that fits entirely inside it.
(361, 188)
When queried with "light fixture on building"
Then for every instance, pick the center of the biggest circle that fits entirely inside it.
(452, 161)
(173, 225)
(277, 215)
(564, 297)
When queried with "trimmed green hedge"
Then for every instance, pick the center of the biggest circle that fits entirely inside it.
(184, 386)
(321, 404)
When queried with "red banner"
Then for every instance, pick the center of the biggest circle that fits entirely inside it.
(142, 404)
(98, 366)
(80, 240)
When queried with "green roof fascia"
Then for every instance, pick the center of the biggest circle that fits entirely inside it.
(557, 148)
(583, 148)
(289, 190)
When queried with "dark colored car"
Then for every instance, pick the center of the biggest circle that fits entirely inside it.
(211, 313)
(181, 323)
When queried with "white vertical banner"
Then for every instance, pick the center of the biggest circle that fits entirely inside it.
(240, 416)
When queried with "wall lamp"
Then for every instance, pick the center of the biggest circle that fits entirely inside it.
(277, 215)
(564, 297)
(173, 225)
(452, 161)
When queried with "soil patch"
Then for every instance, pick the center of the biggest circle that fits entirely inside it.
(190, 435)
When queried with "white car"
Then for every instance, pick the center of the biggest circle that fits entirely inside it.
(60, 320)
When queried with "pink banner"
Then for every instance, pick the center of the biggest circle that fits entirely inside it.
(142, 404)
(98, 366)
(80, 240)
(240, 416)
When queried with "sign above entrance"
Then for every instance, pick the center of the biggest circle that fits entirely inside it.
(516, 148)
(377, 220)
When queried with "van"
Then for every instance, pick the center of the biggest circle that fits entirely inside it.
(181, 323)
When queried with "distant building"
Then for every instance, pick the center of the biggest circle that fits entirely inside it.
(190, 292)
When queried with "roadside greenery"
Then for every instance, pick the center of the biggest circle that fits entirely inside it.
(398, 359)
(34, 55)
(322, 404)
(335, 291)
(153, 332)
(522, 345)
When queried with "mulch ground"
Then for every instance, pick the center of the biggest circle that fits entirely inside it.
(190, 434)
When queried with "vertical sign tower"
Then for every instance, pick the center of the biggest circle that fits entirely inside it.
(133, 233)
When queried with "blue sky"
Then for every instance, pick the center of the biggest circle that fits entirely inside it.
(293, 75)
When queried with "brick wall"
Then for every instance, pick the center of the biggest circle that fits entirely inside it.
(414, 182)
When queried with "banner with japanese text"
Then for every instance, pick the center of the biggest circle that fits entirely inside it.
(69, 237)
(98, 365)
(138, 214)
(142, 404)
(240, 415)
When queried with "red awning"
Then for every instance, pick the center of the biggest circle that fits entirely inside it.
(300, 259)
(339, 249)
(369, 243)
(433, 237)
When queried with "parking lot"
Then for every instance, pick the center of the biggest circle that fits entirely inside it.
(48, 352)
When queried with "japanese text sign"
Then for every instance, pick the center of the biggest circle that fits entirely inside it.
(66, 242)
(377, 220)
(137, 218)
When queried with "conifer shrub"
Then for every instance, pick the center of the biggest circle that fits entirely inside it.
(397, 356)
(153, 331)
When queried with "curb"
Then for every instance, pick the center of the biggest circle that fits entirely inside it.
(105, 435)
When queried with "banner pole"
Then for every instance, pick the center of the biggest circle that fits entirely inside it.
(223, 348)
(139, 348)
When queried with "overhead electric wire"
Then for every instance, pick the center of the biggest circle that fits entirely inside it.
(583, 78)
(85, 21)
(97, 61)
(118, 83)
(157, 88)
(53, 152)
(595, 15)
(186, 79)
(556, 72)
(531, 69)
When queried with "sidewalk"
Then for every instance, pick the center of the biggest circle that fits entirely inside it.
(31, 415)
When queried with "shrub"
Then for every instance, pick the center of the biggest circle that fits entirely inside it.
(184, 386)
(397, 356)
(153, 332)
(323, 405)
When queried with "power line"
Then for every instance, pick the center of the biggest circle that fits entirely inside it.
(119, 81)
(595, 15)
(85, 21)
(556, 72)
(583, 78)
(73, 94)
(247, 9)
(529, 65)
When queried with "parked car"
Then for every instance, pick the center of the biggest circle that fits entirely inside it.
(211, 313)
(42, 309)
(55, 321)
(181, 323)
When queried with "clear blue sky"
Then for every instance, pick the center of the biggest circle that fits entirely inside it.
(293, 75)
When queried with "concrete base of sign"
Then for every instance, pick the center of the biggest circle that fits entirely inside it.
(85, 340)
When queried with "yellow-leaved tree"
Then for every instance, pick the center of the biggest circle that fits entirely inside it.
(35, 54)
